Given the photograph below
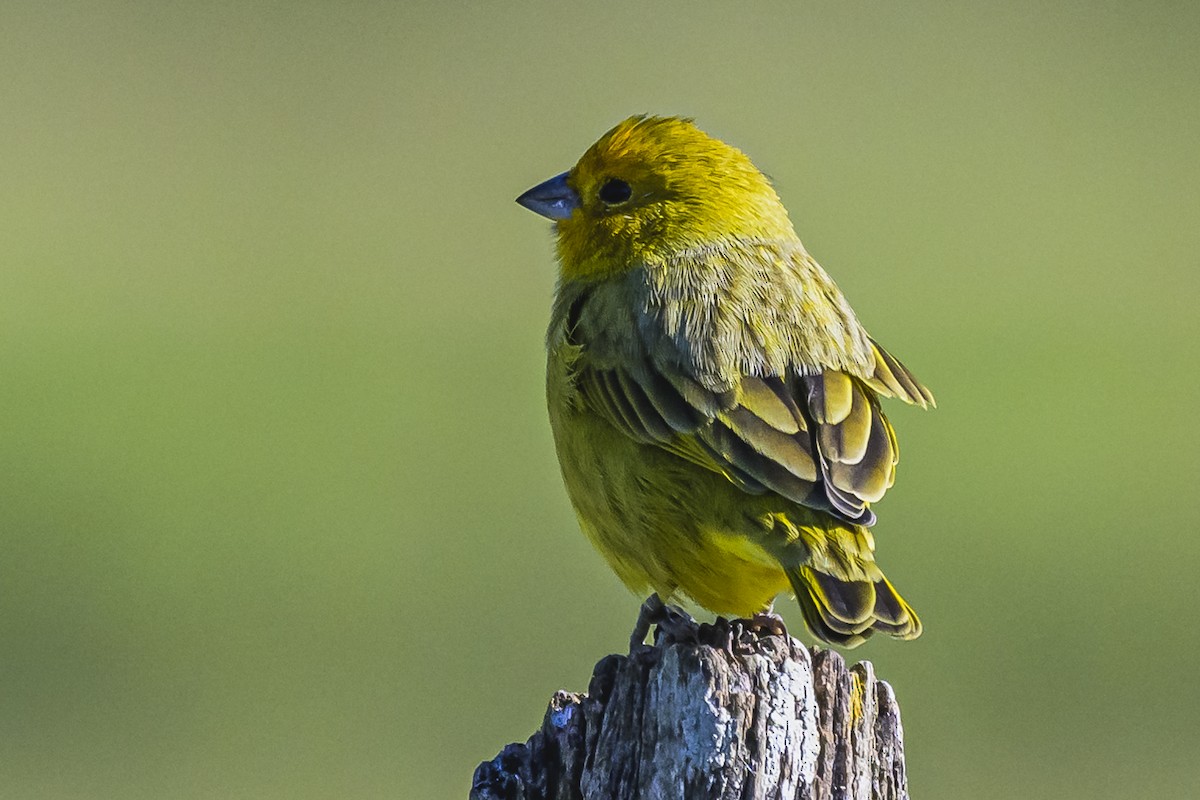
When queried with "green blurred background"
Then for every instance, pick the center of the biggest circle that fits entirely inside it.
(279, 511)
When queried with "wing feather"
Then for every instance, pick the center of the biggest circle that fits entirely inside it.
(678, 414)
(844, 436)
(790, 451)
(892, 379)
(835, 451)
(869, 477)
(761, 398)
(648, 416)
(735, 452)
(820, 440)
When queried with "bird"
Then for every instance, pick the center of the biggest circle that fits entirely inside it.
(714, 399)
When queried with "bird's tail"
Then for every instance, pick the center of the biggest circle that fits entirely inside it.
(845, 613)
(845, 600)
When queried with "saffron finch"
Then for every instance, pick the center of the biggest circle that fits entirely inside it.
(713, 397)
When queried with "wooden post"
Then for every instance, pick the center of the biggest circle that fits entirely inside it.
(728, 714)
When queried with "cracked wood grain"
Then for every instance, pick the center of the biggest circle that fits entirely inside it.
(760, 720)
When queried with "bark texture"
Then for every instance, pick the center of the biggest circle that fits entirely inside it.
(737, 717)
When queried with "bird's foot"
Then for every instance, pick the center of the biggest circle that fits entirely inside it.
(739, 636)
(672, 622)
(766, 623)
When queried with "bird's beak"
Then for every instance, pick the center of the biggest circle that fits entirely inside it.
(553, 199)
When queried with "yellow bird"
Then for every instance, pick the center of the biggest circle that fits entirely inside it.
(714, 399)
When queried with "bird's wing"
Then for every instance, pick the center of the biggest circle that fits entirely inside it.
(819, 440)
(738, 367)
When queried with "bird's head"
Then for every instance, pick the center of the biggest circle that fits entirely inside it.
(652, 188)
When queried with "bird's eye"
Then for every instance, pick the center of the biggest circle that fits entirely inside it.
(615, 191)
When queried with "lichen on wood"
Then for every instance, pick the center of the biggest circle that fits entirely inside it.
(726, 714)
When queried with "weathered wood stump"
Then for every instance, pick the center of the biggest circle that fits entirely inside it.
(728, 714)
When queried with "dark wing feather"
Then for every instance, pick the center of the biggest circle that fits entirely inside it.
(892, 379)
(857, 446)
(820, 441)
(730, 444)
(602, 390)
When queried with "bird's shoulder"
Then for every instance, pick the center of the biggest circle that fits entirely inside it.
(751, 307)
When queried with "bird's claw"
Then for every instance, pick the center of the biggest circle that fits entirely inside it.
(672, 624)
(767, 623)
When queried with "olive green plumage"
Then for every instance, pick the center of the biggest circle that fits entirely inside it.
(713, 398)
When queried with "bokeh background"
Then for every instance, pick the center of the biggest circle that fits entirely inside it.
(279, 510)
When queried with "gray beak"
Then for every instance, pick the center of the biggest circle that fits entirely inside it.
(553, 199)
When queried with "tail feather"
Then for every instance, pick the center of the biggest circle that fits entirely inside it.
(892, 614)
(848, 602)
(846, 612)
(809, 607)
